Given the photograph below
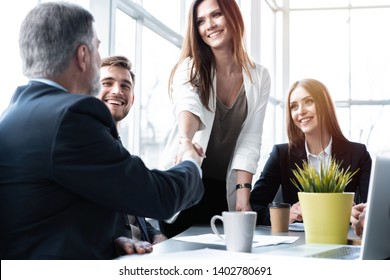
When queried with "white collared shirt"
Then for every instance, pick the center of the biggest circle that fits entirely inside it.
(324, 156)
(48, 82)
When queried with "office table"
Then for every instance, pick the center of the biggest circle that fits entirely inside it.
(173, 246)
(211, 261)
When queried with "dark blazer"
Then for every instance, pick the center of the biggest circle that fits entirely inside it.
(278, 172)
(65, 177)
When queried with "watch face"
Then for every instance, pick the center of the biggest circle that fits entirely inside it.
(242, 186)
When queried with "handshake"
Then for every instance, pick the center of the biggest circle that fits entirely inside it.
(190, 151)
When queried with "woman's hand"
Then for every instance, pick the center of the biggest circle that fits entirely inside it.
(190, 150)
(242, 200)
(295, 213)
(358, 215)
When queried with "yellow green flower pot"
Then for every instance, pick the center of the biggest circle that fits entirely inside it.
(326, 216)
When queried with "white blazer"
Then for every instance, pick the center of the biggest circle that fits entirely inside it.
(247, 151)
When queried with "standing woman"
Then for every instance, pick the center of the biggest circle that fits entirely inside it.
(314, 135)
(219, 97)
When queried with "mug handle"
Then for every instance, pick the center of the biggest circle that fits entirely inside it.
(213, 227)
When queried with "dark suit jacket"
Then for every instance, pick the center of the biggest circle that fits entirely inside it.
(65, 176)
(278, 172)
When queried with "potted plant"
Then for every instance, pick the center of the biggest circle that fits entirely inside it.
(326, 208)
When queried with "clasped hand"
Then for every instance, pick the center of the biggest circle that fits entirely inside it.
(358, 215)
(190, 150)
(295, 213)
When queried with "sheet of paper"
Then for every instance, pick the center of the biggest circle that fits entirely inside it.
(258, 240)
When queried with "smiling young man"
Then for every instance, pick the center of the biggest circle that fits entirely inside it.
(117, 86)
(117, 92)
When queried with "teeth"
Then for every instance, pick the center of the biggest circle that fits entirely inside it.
(305, 120)
(212, 35)
(114, 102)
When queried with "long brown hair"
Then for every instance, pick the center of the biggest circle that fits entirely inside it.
(326, 112)
(194, 47)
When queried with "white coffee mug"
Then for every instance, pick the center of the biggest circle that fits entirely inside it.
(239, 227)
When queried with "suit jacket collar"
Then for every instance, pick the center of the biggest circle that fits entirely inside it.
(50, 83)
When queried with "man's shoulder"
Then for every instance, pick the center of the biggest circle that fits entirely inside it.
(67, 103)
(36, 90)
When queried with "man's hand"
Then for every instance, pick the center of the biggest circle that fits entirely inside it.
(159, 238)
(127, 246)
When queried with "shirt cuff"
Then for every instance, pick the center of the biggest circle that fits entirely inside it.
(197, 165)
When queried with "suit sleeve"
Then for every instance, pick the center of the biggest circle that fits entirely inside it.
(266, 186)
(89, 160)
(152, 231)
(363, 178)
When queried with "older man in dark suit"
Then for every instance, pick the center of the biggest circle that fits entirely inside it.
(64, 175)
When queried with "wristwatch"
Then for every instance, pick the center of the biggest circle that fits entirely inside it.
(242, 186)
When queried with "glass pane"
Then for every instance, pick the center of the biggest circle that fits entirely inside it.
(159, 10)
(11, 72)
(279, 58)
(125, 39)
(274, 118)
(303, 4)
(125, 44)
(370, 54)
(267, 35)
(319, 49)
(245, 7)
(156, 112)
(344, 119)
(369, 125)
(356, 3)
(349, 53)
(294, 4)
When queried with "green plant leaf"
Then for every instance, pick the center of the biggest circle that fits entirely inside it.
(332, 178)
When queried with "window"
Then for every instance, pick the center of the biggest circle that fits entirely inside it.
(340, 42)
(11, 70)
(345, 48)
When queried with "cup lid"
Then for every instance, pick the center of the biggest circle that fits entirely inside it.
(275, 204)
